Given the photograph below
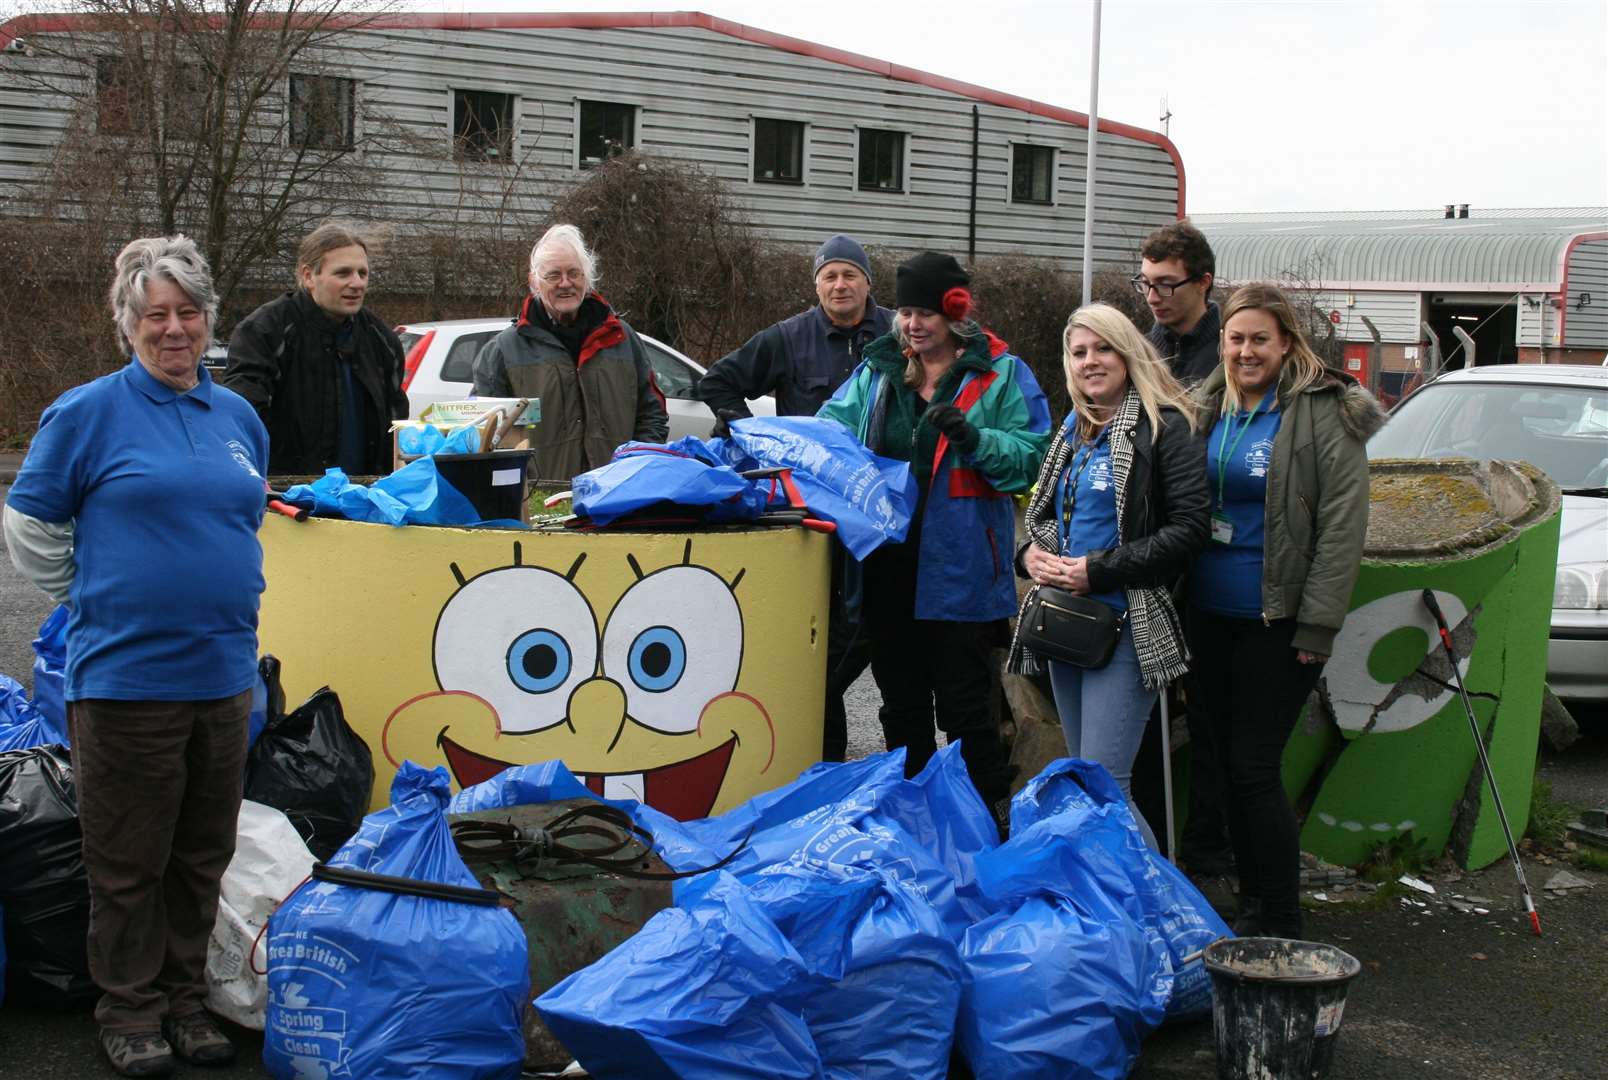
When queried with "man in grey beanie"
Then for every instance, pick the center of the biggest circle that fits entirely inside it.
(804, 358)
(801, 360)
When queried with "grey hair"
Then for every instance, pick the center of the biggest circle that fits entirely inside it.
(169, 258)
(564, 238)
(964, 331)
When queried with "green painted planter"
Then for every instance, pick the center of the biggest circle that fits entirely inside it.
(1384, 748)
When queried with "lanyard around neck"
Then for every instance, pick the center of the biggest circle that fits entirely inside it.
(1080, 459)
(1222, 456)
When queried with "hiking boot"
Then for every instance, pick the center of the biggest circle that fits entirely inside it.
(196, 1039)
(137, 1053)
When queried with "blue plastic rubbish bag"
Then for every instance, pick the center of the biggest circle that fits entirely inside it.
(643, 475)
(429, 439)
(870, 498)
(711, 990)
(1108, 854)
(1062, 982)
(21, 724)
(890, 1014)
(50, 672)
(416, 494)
(377, 984)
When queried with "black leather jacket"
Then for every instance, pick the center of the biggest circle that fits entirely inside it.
(282, 360)
(1168, 508)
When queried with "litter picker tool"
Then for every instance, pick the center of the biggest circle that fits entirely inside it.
(1485, 761)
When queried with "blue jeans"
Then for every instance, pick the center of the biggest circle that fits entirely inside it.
(1103, 715)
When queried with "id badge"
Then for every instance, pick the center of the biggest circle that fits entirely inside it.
(1222, 529)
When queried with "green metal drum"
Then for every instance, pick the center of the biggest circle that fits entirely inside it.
(1384, 750)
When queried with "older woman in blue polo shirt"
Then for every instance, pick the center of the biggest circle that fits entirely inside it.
(138, 505)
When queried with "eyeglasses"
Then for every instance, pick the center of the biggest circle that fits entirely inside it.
(553, 277)
(1164, 289)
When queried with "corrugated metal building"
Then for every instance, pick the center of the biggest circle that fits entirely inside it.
(813, 140)
(1528, 286)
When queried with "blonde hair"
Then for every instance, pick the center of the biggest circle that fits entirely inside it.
(963, 331)
(1301, 366)
(1147, 373)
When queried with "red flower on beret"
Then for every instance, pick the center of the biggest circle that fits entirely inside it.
(957, 304)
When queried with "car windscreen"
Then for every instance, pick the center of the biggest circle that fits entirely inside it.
(1561, 430)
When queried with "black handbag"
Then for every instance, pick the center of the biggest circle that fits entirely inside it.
(1063, 626)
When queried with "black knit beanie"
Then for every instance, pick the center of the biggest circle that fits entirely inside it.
(934, 282)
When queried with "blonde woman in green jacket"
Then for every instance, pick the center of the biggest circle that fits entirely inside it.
(1288, 479)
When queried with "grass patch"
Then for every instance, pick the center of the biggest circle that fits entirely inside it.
(1549, 817)
(1390, 859)
(1591, 859)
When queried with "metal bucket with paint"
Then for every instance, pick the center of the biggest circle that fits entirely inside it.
(1276, 1006)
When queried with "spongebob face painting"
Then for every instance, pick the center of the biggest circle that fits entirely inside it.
(684, 672)
(643, 705)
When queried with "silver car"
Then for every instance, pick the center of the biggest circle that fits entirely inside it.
(440, 360)
(1556, 418)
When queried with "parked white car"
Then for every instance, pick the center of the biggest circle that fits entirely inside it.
(1555, 416)
(441, 357)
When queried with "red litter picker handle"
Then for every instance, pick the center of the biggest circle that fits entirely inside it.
(295, 513)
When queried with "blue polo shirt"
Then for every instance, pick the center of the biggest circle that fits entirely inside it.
(1227, 579)
(1088, 481)
(165, 491)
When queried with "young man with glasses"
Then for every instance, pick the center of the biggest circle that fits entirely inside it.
(1175, 278)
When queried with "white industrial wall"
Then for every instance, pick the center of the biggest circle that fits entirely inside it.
(697, 91)
(1586, 319)
(1396, 314)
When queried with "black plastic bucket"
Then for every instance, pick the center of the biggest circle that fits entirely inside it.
(1276, 1006)
(494, 482)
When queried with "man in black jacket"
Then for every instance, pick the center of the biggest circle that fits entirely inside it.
(801, 360)
(324, 374)
(1176, 265)
(804, 358)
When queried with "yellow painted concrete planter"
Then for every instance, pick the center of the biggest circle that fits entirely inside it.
(683, 669)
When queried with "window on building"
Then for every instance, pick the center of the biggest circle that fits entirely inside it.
(179, 92)
(114, 100)
(1032, 174)
(778, 151)
(881, 160)
(608, 129)
(482, 125)
(322, 112)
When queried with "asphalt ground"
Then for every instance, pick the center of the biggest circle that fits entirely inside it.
(1443, 995)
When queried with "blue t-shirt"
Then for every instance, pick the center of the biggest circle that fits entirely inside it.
(166, 493)
(1227, 578)
(1093, 524)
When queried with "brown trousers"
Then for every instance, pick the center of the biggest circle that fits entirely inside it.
(159, 786)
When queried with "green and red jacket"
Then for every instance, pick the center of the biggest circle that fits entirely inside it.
(968, 523)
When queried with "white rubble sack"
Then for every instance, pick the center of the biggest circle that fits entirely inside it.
(270, 860)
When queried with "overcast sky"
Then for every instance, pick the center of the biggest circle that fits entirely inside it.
(1276, 104)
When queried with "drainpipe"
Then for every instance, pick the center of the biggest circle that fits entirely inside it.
(1541, 308)
(971, 226)
(1468, 345)
(1375, 353)
(1433, 360)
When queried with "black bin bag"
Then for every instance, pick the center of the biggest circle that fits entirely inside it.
(314, 767)
(43, 888)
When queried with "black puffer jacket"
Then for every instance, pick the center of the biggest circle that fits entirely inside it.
(1168, 509)
(282, 360)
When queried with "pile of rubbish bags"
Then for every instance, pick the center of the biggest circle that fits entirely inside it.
(307, 784)
(860, 925)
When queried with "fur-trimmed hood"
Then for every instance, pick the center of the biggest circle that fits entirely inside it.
(1360, 412)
